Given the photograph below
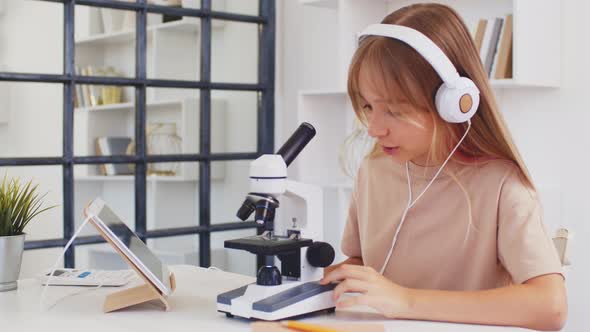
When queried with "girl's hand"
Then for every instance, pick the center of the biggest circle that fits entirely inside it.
(350, 260)
(375, 290)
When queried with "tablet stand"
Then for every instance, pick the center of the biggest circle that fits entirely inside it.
(136, 295)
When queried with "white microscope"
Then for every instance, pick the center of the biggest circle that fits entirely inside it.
(294, 289)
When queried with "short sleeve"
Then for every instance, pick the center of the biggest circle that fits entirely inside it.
(524, 245)
(351, 242)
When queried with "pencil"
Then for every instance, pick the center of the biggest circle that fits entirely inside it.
(304, 327)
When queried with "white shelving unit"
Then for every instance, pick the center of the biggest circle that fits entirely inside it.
(536, 64)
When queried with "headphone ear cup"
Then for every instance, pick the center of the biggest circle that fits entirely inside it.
(459, 103)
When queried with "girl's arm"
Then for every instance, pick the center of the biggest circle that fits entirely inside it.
(539, 303)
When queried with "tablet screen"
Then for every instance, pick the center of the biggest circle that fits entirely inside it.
(135, 245)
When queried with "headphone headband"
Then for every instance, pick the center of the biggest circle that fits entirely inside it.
(419, 42)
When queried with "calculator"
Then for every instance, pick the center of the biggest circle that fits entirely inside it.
(80, 277)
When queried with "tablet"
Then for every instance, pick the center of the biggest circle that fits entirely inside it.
(129, 245)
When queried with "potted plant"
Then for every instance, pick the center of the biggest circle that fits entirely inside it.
(19, 204)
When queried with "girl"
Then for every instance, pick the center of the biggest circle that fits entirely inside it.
(473, 248)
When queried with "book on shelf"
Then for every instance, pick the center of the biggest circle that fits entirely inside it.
(113, 146)
(79, 93)
(492, 46)
(84, 90)
(479, 32)
(504, 58)
(493, 40)
(93, 90)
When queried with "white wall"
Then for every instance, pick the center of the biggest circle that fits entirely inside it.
(550, 126)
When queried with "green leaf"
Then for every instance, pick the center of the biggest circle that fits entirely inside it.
(19, 205)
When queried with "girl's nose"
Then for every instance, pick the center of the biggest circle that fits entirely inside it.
(376, 127)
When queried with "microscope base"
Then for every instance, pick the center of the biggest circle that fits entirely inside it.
(294, 298)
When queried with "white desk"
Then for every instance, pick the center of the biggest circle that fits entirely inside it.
(193, 309)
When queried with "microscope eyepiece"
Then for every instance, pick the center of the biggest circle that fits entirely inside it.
(297, 142)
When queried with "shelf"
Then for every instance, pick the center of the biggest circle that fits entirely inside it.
(511, 83)
(127, 178)
(495, 83)
(127, 106)
(323, 92)
(332, 4)
(186, 25)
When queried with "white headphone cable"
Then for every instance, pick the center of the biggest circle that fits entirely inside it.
(57, 263)
(411, 203)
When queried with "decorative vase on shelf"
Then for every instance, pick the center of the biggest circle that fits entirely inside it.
(112, 19)
(19, 204)
(161, 138)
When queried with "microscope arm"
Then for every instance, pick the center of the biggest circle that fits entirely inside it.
(313, 197)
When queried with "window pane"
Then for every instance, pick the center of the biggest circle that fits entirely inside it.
(231, 38)
(227, 194)
(246, 7)
(173, 121)
(105, 42)
(232, 260)
(105, 129)
(99, 256)
(32, 37)
(37, 261)
(118, 192)
(176, 250)
(174, 47)
(230, 183)
(31, 119)
(234, 121)
(172, 201)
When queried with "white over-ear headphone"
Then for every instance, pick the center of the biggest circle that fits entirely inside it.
(457, 98)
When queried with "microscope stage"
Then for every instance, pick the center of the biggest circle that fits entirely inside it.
(264, 246)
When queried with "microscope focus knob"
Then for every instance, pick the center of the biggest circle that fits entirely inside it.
(320, 254)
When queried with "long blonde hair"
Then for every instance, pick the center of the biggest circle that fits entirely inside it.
(405, 73)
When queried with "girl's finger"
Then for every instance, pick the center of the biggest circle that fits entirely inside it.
(346, 272)
(350, 286)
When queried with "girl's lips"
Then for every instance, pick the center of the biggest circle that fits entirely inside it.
(390, 150)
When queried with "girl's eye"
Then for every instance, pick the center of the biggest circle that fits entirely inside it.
(394, 114)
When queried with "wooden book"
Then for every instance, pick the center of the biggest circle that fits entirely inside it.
(479, 33)
(505, 51)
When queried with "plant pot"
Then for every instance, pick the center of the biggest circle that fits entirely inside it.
(11, 254)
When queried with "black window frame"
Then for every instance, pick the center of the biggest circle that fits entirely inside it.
(69, 79)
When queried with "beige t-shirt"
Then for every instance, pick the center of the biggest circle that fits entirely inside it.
(439, 245)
